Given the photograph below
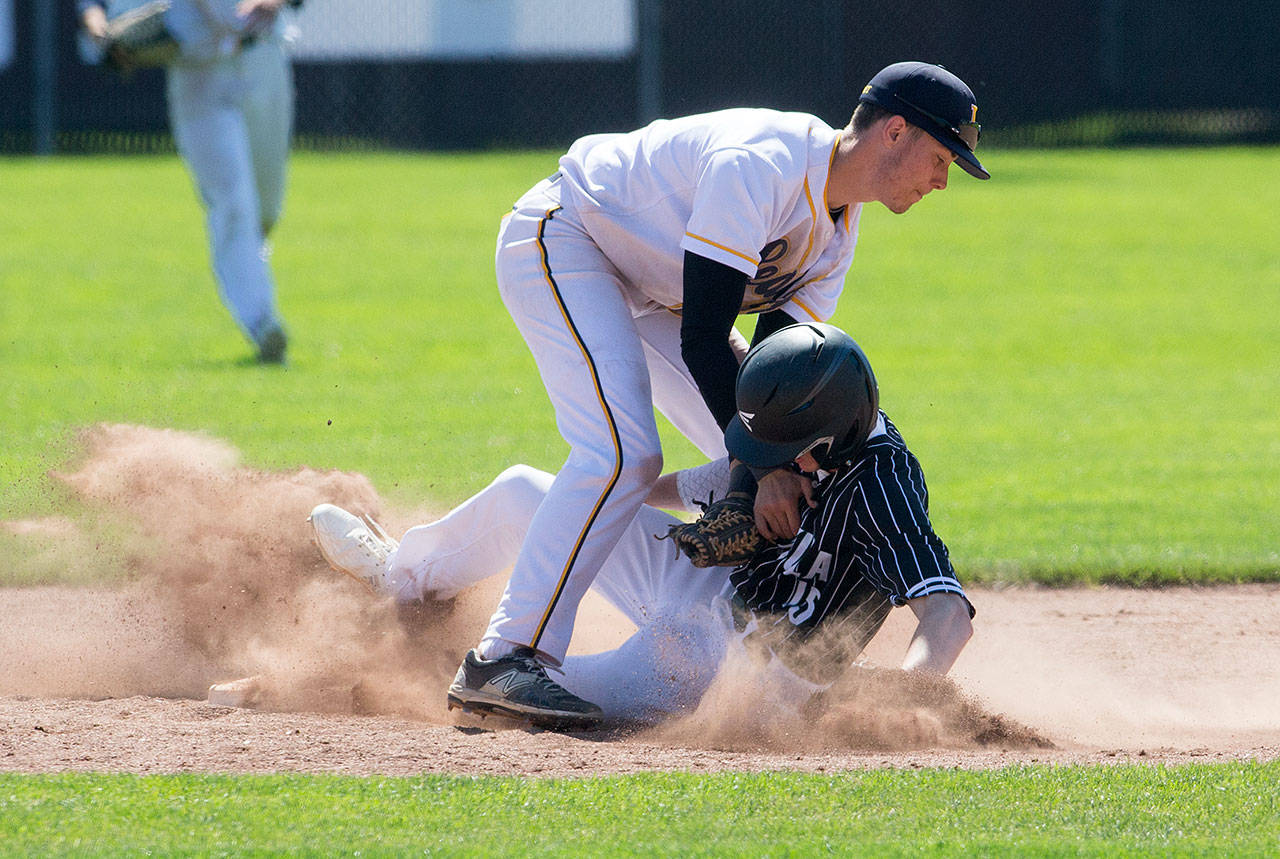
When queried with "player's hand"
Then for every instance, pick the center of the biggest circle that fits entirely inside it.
(256, 16)
(94, 22)
(778, 500)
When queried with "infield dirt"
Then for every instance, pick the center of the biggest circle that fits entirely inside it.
(226, 583)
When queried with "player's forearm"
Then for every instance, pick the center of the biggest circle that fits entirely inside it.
(692, 489)
(665, 493)
(712, 298)
(942, 632)
(713, 367)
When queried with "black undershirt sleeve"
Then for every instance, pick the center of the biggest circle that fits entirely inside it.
(769, 322)
(712, 299)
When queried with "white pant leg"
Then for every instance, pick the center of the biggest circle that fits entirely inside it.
(683, 627)
(477, 539)
(567, 300)
(206, 113)
(268, 112)
(675, 393)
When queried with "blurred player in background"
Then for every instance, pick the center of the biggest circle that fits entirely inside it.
(230, 98)
(625, 271)
(866, 544)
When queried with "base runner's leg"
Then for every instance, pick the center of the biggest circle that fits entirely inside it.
(682, 628)
(477, 539)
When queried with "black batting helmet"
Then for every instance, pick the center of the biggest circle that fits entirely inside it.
(806, 388)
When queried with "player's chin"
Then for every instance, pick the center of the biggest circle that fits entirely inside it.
(906, 202)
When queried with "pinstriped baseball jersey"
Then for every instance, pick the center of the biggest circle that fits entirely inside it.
(867, 545)
(744, 187)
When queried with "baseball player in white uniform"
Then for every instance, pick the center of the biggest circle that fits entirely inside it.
(230, 97)
(865, 545)
(625, 271)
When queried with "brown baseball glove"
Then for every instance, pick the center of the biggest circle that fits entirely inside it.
(138, 38)
(724, 535)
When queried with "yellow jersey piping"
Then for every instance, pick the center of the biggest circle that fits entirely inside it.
(749, 259)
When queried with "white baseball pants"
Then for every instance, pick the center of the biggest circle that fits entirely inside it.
(682, 623)
(605, 366)
(232, 119)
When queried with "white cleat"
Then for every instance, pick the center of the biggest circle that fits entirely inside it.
(351, 547)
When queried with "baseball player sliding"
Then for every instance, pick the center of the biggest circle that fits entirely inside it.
(230, 97)
(625, 271)
(807, 400)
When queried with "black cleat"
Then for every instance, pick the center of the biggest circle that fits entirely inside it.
(517, 686)
(272, 346)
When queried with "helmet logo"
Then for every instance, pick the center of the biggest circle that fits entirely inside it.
(746, 418)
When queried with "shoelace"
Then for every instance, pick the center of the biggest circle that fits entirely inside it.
(380, 549)
(537, 666)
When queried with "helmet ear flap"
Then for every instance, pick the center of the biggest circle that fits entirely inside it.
(838, 453)
(864, 422)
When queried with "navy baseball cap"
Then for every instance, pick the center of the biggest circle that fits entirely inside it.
(937, 101)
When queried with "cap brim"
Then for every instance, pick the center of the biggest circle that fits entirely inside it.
(755, 453)
(964, 155)
(948, 138)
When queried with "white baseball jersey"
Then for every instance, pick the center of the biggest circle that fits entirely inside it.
(647, 196)
(209, 29)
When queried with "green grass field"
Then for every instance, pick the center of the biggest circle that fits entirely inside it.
(1027, 810)
(1081, 351)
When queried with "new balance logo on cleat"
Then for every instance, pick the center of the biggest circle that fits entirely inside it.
(508, 683)
(517, 686)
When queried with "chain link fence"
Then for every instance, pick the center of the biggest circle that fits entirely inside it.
(449, 74)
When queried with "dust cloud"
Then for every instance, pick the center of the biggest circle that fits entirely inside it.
(225, 582)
